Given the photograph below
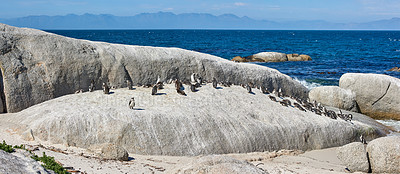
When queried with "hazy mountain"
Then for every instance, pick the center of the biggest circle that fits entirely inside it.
(167, 20)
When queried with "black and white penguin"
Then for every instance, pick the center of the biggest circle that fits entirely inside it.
(180, 91)
(132, 103)
(264, 90)
(91, 87)
(106, 89)
(272, 98)
(193, 87)
(79, 91)
(129, 84)
(154, 90)
(248, 88)
(362, 139)
(193, 78)
(214, 83)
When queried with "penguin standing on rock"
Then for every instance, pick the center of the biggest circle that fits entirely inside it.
(106, 88)
(248, 87)
(91, 87)
(132, 103)
(154, 90)
(214, 83)
(129, 84)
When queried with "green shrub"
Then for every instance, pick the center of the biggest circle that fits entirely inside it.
(8, 148)
(50, 163)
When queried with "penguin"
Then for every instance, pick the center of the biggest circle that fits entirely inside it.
(350, 117)
(154, 90)
(178, 84)
(214, 83)
(287, 102)
(283, 103)
(79, 91)
(193, 87)
(132, 103)
(91, 87)
(199, 80)
(106, 89)
(299, 107)
(193, 78)
(129, 84)
(179, 91)
(169, 81)
(280, 94)
(264, 90)
(248, 88)
(272, 98)
(362, 139)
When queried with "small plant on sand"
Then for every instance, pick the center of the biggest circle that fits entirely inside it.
(8, 148)
(50, 163)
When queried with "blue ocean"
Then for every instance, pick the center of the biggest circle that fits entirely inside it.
(333, 52)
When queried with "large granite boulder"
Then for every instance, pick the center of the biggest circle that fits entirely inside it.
(269, 57)
(37, 66)
(335, 96)
(354, 157)
(208, 121)
(215, 164)
(377, 95)
(19, 163)
(384, 154)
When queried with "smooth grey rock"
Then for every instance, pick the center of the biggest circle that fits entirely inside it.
(38, 66)
(354, 157)
(216, 164)
(334, 96)
(18, 163)
(270, 57)
(377, 95)
(113, 152)
(384, 154)
(209, 121)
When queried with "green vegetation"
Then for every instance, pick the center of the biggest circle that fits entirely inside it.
(8, 148)
(50, 163)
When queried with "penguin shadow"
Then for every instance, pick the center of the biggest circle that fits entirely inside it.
(219, 87)
(160, 94)
(138, 109)
(252, 93)
(111, 92)
(131, 159)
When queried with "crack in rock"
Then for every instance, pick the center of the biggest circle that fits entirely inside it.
(383, 94)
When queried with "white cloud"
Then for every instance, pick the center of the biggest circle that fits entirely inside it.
(239, 4)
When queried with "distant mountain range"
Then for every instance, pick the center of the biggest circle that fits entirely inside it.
(167, 20)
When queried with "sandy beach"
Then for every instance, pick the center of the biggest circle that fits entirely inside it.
(83, 161)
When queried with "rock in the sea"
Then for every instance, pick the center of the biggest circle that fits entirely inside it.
(216, 164)
(384, 154)
(335, 96)
(38, 66)
(354, 157)
(239, 59)
(209, 121)
(394, 69)
(297, 57)
(377, 95)
(113, 152)
(18, 163)
(269, 57)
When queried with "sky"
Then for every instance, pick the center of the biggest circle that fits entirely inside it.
(277, 10)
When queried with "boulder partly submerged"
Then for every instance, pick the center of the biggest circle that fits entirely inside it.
(208, 121)
(377, 95)
(37, 66)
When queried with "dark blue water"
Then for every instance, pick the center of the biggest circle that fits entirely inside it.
(333, 52)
